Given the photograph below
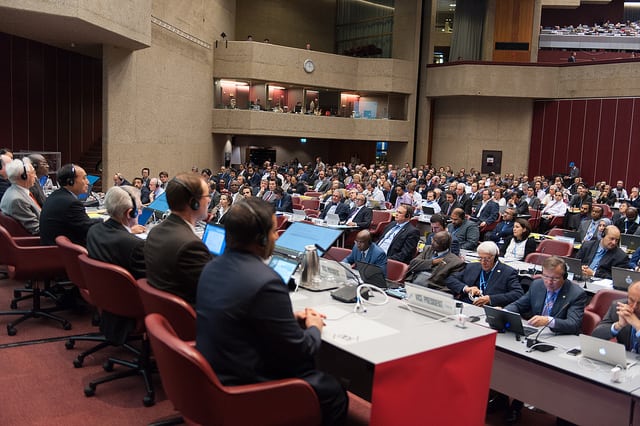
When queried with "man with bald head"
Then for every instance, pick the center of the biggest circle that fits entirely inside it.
(365, 250)
(598, 256)
(436, 260)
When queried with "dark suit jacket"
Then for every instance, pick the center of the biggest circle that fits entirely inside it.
(64, 214)
(404, 244)
(465, 203)
(285, 204)
(630, 227)
(503, 230)
(446, 209)
(342, 210)
(615, 257)
(375, 256)
(503, 285)
(363, 218)
(111, 242)
(489, 213)
(38, 193)
(245, 324)
(603, 330)
(567, 310)
(174, 258)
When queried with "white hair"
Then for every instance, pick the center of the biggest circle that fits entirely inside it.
(16, 168)
(488, 247)
(119, 199)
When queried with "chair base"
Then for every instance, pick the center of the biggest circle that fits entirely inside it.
(141, 365)
(35, 312)
(102, 343)
(169, 421)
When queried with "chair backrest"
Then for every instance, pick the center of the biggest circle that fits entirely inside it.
(396, 270)
(312, 194)
(195, 391)
(606, 210)
(379, 216)
(601, 302)
(112, 287)
(69, 253)
(337, 253)
(29, 262)
(14, 227)
(589, 322)
(554, 247)
(310, 203)
(536, 258)
(281, 222)
(176, 310)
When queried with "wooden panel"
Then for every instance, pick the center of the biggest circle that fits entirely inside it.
(535, 148)
(5, 91)
(562, 136)
(513, 23)
(590, 139)
(632, 173)
(35, 74)
(549, 137)
(622, 141)
(576, 130)
(606, 135)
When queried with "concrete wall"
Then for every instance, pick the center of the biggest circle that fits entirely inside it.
(465, 126)
(158, 100)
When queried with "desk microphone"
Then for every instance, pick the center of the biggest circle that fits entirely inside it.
(536, 345)
(346, 293)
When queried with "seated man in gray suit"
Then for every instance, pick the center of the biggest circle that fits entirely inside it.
(436, 260)
(555, 302)
(465, 231)
(622, 320)
(17, 201)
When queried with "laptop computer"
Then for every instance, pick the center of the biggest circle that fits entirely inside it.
(568, 233)
(574, 266)
(332, 219)
(214, 238)
(298, 215)
(429, 210)
(606, 351)
(160, 204)
(284, 266)
(631, 241)
(144, 216)
(502, 320)
(623, 278)
(298, 235)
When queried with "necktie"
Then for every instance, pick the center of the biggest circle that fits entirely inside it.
(590, 231)
(548, 303)
(634, 340)
(34, 199)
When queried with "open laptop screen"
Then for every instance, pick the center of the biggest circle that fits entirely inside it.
(299, 235)
(284, 266)
(213, 238)
(160, 203)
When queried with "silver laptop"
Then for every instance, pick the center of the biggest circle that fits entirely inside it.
(298, 215)
(623, 278)
(606, 351)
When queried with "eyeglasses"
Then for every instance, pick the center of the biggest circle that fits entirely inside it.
(551, 279)
(486, 258)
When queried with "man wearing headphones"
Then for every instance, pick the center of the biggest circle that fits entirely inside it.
(113, 242)
(174, 254)
(598, 256)
(63, 213)
(488, 282)
(4, 182)
(246, 327)
(400, 238)
(17, 201)
(553, 301)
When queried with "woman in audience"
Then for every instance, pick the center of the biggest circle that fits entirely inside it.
(222, 208)
(604, 222)
(497, 197)
(519, 245)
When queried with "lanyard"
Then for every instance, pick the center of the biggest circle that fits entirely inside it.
(485, 281)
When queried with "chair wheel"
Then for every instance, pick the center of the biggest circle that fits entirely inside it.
(69, 344)
(11, 331)
(14, 304)
(89, 391)
(77, 363)
(66, 325)
(149, 401)
(108, 366)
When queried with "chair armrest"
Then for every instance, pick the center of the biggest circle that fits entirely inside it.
(27, 241)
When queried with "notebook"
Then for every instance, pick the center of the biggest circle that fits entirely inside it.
(606, 351)
(213, 238)
(502, 320)
(623, 278)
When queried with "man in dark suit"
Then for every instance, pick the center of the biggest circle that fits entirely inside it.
(323, 183)
(336, 206)
(627, 223)
(400, 239)
(504, 229)
(487, 211)
(112, 242)
(488, 282)
(364, 250)
(63, 213)
(555, 302)
(622, 320)
(360, 215)
(282, 201)
(174, 255)
(42, 173)
(588, 229)
(450, 204)
(463, 199)
(516, 202)
(246, 327)
(437, 260)
(598, 256)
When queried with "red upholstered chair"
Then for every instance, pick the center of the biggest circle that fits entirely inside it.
(556, 232)
(337, 253)
(553, 247)
(312, 194)
(396, 270)
(310, 203)
(14, 227)
(589, 321)
(536, 258)
(281, 222)
(312, 212)
(379, 221)
(601, 302)
(114, 290)
(69, 253)
(606, 210)
(195, 391)
(30, 262)
(179, 313)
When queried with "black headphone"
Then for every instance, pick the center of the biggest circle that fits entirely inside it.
(134, 209)
(23, 176)
(565, 269)
(263, 236)
(194, 202)
(70, 180)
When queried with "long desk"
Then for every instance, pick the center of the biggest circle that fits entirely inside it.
(571, 387)
(411, 367)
